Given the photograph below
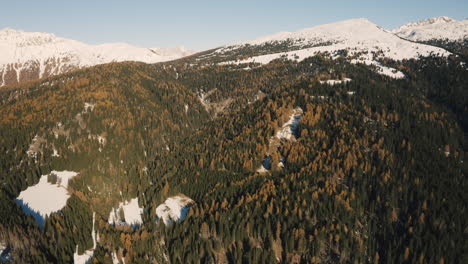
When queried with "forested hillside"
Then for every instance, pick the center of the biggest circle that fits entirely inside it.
(313, 161)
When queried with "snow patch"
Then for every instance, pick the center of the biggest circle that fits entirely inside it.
(262, 169)
(88, 107)
(383, 70)
(5, 253)
(175, 208)
(333, 82)
(55, 154)
(115, 258)
(45, 198)
(131, 214)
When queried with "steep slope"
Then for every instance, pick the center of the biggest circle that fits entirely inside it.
(107, 123)
(364, 175)
(358, 40)
(360, 167)
(31, 55)
(442, 32)
(438, 28)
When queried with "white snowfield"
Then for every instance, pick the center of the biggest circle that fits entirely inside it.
(45, 198)
(24, 49)
(175, 208)
(359, 37)
(438, 28)
(88, 254)
(131, 211)
(333, 82)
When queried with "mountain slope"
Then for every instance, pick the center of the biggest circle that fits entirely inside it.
(354, 180)
(439, 28)
(359, 40)
(357, 167)
(31, 55)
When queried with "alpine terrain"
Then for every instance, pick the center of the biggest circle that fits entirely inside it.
(339, 143)
(26, 56)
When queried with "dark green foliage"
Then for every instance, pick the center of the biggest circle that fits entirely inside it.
(366, 177)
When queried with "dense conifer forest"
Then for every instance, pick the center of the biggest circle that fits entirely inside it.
(374, 172)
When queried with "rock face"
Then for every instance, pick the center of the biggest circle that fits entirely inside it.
(26, 56)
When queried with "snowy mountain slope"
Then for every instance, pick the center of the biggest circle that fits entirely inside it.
(31, 55)
(364, 40)
(175, 52)
(439, 28)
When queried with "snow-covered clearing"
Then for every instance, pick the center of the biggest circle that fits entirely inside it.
(131, 214)
(45, 198)
(175, 208)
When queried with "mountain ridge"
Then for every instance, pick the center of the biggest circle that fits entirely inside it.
(33, 55)
(358, 40)
(437, 28)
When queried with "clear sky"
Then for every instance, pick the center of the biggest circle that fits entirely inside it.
(201, 24)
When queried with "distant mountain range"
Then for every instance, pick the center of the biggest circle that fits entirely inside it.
(357, 40)
(439, 28)
(27, 56)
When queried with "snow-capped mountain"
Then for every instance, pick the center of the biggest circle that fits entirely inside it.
(438, 28)
(31, 55)
(362, 40)
(178, 51)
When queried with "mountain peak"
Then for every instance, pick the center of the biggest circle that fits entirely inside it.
(336, 31)
(31, 55)
(440, 28)
(7, 30)
(426, 22)
(22, 38)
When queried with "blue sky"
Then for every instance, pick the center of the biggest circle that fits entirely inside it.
(206, 24)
